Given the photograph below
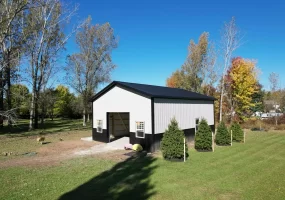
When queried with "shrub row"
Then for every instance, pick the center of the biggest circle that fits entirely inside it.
(172, 142)
(173, 138)
(203, 137)
(223, 135)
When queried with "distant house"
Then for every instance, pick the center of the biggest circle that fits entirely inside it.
(270, 114)
(271, 105)
(143, 112)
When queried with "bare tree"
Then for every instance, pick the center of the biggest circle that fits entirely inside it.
(210, 69)
(275, 92)
(11, 15)
(230, 41)
(92, 66)
(46, 39)
(9, 11)
(274, 81)
(10, 115)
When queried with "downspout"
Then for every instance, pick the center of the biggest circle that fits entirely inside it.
(152, 147)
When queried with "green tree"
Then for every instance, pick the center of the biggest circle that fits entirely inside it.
(237, 132)
(203, 137)
(172, 142)
(47, 101)
(77, 107)
(258, 100)
(20, 98)
(63, 102)
(223, 136)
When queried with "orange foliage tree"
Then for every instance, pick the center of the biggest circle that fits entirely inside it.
(173, 80)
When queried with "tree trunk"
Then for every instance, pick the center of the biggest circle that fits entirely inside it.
(232, 111)
(1, 97)
(88, 119)
(221, 104)
(84, 116)
(8, 81)
(36, 113)
(42, 120)
(31, 125)
(43, 115)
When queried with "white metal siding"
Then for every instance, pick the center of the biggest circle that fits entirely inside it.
(120, 100)
(184, 111)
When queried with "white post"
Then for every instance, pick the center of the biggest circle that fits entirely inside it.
(213, 142)
(184, 150)
(244, 137)
(231, 137)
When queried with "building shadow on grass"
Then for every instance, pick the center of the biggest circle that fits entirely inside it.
(129, 179)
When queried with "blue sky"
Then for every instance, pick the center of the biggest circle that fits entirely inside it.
(154, 35)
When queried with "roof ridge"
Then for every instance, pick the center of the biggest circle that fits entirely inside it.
(155, 91)
(152, 85)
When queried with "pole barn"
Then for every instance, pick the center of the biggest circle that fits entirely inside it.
(143, 112)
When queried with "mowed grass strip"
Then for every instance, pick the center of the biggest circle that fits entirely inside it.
(243, 171)
(254, 170)
(21, 129)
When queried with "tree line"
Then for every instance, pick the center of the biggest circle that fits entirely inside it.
(33, 38)
(53, 102)
(233, 81)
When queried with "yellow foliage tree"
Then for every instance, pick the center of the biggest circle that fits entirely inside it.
(241, 84)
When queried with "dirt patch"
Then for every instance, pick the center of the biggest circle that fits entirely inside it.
(50, 154)
(65, 147)
(54, 153)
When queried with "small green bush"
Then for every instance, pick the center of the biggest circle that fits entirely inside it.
(237, 132)
(172, 142)
(223, 136)
(203, 137)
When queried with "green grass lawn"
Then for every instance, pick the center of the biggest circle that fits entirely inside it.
(49, 126)
(255, 170)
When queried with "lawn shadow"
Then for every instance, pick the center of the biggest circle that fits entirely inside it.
(129, 179)
(43, 143)
(202, 150)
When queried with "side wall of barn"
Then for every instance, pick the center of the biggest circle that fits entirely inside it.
(186, 112)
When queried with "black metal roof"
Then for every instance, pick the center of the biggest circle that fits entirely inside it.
(153, 91)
